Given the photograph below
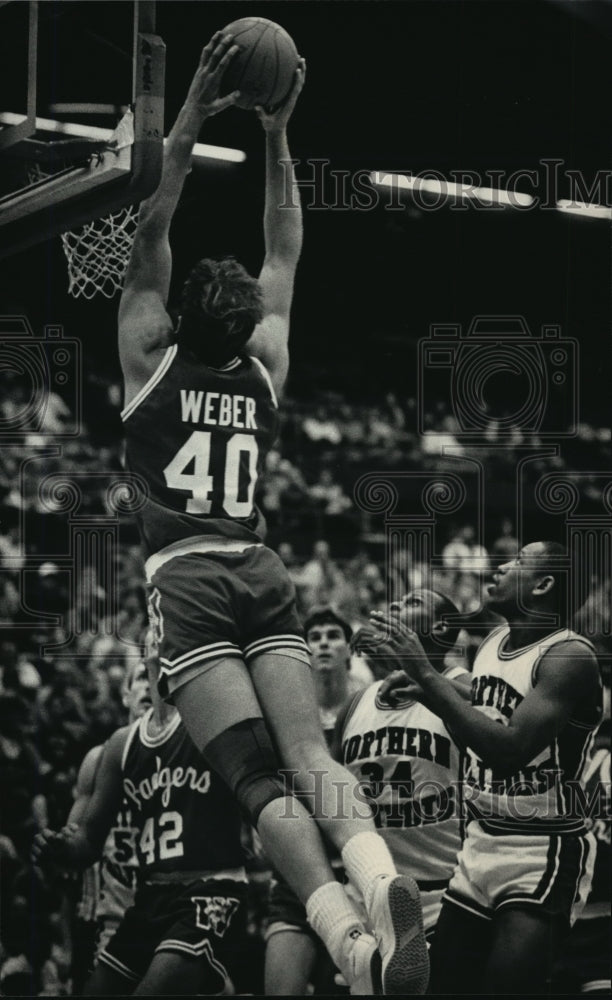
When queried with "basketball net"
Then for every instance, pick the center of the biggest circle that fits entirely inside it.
(98, 252)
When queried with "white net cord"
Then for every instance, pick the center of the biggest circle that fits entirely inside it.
(98, 254)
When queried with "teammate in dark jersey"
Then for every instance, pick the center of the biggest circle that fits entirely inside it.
(526, 864)
(107, 888)
(184, 932)
(200, 412)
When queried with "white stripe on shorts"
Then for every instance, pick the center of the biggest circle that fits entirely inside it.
(118, 966)
(196, 543)
(214, 651)
(287, 641)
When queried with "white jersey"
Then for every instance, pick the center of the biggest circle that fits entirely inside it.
(408, 768)
(118, 869)
(542, 795)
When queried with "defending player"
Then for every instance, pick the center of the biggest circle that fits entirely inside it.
(404, 760)
(108, 886)
(200, 415)
(184, 931)
(526, 864)
(404, 756)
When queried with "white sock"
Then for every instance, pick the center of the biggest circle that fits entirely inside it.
(366, 857)
(332, 916)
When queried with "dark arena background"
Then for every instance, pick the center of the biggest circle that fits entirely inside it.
(482, 455)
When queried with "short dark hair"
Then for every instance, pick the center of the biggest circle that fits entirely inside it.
(221, 304)
(327, 616)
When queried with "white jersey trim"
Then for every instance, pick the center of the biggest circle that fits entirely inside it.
(552, 639)
(156, 377)
(266, 375)
(161, 737)
(128, 742)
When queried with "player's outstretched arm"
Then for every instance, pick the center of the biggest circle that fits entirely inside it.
(567, 685)
(80, 843)
(283, 239)
(144, 324)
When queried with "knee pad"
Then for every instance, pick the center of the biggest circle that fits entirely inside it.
(244, 756)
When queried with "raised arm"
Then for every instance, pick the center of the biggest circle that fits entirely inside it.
(567, 684)
(144, 324)
(283, 240)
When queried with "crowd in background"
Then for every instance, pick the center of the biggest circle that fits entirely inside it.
(67, 630)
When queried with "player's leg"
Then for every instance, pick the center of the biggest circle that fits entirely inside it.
(202, 606)
(291, 948)
(171, 974)
(83, 953)
(285, 689)
(291, 954)
(223, 717)
(107, 982)
(459, 948)
(526, 942)
(123, 961)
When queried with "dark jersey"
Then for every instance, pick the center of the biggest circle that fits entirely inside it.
(198, 438)
(185, 818)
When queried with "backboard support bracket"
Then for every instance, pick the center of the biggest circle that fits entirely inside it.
(35, 214)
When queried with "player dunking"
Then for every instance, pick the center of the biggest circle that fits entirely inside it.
(200, 416)
(526, 864)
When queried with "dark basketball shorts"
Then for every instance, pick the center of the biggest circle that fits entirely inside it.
(213, 598)
(285, 911)
(495, 870)
(200, 919)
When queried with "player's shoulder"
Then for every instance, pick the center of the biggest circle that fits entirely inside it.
(570, 663)
(269, 345)
(117, 744)
(570, 648)
(262, 370)
(88, 770)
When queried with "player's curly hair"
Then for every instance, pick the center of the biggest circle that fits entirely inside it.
(221, 305)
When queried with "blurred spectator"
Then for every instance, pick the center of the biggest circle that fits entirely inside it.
(284, 489)
(9, 600)
(463, 554)
(290, 560)
(319, 428)
(506, 546)
(321, 580)
(329, 494)
(12, 556)
(24, 807)
(442, 441)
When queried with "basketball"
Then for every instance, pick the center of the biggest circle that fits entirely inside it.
(264, 68)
